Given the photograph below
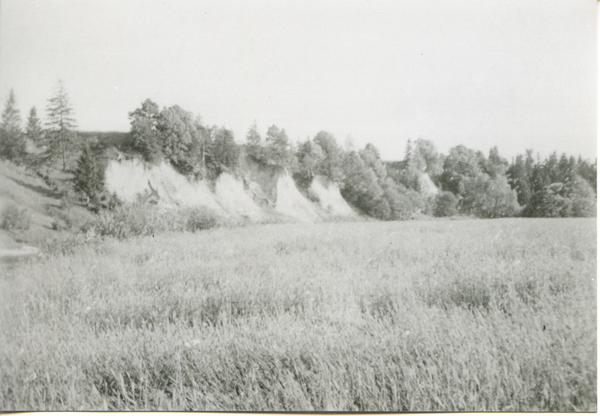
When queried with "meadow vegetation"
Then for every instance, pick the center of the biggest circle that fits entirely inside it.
(469, 315)
(131, 220)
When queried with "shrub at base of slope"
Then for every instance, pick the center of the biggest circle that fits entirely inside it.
(445, 205)
(131, 220)
(13, 218)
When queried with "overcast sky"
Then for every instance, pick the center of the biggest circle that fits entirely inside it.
(513, 74)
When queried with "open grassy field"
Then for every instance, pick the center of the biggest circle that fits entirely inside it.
(479, 315)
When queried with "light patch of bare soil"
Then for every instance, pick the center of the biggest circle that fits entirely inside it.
(130, 178)
(329, 198)
(235, 200)
(263, 192)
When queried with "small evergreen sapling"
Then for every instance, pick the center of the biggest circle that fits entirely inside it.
(88, 177)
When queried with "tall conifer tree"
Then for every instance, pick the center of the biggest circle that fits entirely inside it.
(12, 142)
(60, 123)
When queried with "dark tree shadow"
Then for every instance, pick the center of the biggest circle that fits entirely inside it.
(39, 189)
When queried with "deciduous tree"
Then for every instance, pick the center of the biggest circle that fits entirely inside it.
(331, 165)
(362, 189)
(583, 197)
(488, 197)
(182, 139)
(310, 156)
(445, 204)
(226, 151)
(279, 146)
(145, 131)
(461, 163)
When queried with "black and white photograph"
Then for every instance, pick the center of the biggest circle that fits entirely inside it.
(321, 206)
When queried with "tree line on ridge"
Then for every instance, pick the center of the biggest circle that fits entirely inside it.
(464, 182)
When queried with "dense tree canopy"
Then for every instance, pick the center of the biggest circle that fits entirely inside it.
(554, 187)
(445, 205)
(255, 146)
(173, 135)
(469, 182)
(331, 164)
(460, 164)
(519, 174)
(279, 148)
(276, 149)
(310, 158)
(492, 187)
(362, 189)
(145, 131)
(224, 148)
(183, 140)
(368, 186)
(488, 197)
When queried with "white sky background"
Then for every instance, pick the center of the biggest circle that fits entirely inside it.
(513, 74)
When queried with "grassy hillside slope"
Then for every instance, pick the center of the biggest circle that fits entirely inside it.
(18, 188)
(481, 315)
(44, 207)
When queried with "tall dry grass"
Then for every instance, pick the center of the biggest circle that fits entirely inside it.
(410, 316)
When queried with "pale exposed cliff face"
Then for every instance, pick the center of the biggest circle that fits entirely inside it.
(329, 198)
(130, 178)
(261, 181)
(426, 185)
(292, 203)
(234, 199)
(262, 193)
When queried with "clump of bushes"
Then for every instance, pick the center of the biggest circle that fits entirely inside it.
(200, 218)
(445, 205)
(13, 218)
(131, 220)
(73, 218)
(574, 199)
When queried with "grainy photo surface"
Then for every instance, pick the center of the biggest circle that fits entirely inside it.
(358, 206)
